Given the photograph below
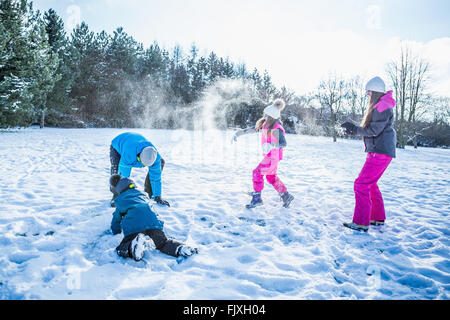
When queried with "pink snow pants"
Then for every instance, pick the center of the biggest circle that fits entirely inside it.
(369, 202)
(267, 167)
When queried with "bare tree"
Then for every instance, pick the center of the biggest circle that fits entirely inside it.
(356, 97)
(398, 72)
(331, 93)
(417, 80)
(441, 109)
(439, 131)
(409, 77)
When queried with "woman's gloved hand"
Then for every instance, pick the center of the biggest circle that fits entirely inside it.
(349, 128)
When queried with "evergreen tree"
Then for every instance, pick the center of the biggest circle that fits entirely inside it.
(150, 63)
(88, 61)
(256, 78)
(228, 69)
(241, 71)
(199, 77)
(43, 64)
(213, 68)
(27, 73)
(190, 69)
(121, 58)
(58, 100)
(122, 53)
(179, 78)
(16, 108)
(267, 90)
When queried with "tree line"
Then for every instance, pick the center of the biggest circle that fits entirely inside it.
(97, 79)
(420, 118)
(88, 79)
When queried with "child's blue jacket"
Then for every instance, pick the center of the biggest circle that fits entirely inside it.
(129, 145)
(133, 213)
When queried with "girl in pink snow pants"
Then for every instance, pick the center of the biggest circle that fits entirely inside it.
(273, 141)
(380, 140)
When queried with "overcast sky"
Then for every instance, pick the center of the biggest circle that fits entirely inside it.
(297, 41)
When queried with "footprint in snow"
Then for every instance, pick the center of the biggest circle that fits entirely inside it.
(245, 259)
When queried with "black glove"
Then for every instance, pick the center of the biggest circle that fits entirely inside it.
(160, 201)
(349, 128)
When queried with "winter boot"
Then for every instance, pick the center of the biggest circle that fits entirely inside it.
(138, 247)
(256, 200)
(287, 199)
(186, 251)
(358, 227)
(377, 222)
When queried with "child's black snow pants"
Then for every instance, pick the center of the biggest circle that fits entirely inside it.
(114, 158)
(162, 243)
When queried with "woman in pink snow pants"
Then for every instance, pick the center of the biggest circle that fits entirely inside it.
(380, 140)
(273, 141)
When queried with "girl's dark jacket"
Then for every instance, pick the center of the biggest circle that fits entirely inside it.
(380, 136)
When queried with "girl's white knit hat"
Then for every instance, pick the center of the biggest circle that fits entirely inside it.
(272, 111)
(376, 84)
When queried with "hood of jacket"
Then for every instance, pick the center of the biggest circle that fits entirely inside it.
(386, 102)
(124, 184)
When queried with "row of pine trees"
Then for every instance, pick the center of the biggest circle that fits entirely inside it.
(99, 79)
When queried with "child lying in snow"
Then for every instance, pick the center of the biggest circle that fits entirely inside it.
(134, 216)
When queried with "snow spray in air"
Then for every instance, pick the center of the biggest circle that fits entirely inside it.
(211, 114)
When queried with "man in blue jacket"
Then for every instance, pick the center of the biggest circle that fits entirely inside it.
(137, 220)
(132, 150)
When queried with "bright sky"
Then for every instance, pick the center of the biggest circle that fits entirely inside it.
(299, 42)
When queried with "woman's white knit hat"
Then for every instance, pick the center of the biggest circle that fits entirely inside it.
(272, 111)
(148, 156)
(376, 84)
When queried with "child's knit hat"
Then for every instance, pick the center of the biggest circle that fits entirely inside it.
(376, 84)
(148, 156)
(272, 111)
(125, 184)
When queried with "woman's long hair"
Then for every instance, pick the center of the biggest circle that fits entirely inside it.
(267, 121)
(374, 99)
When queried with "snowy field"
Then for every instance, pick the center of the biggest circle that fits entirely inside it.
(55, 241)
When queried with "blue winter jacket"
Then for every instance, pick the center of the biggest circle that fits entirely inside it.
(133, 213)
(129, 145)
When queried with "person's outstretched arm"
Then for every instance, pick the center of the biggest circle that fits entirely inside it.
(242, 132)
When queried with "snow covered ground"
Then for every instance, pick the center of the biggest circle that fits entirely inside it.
(55, 241)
